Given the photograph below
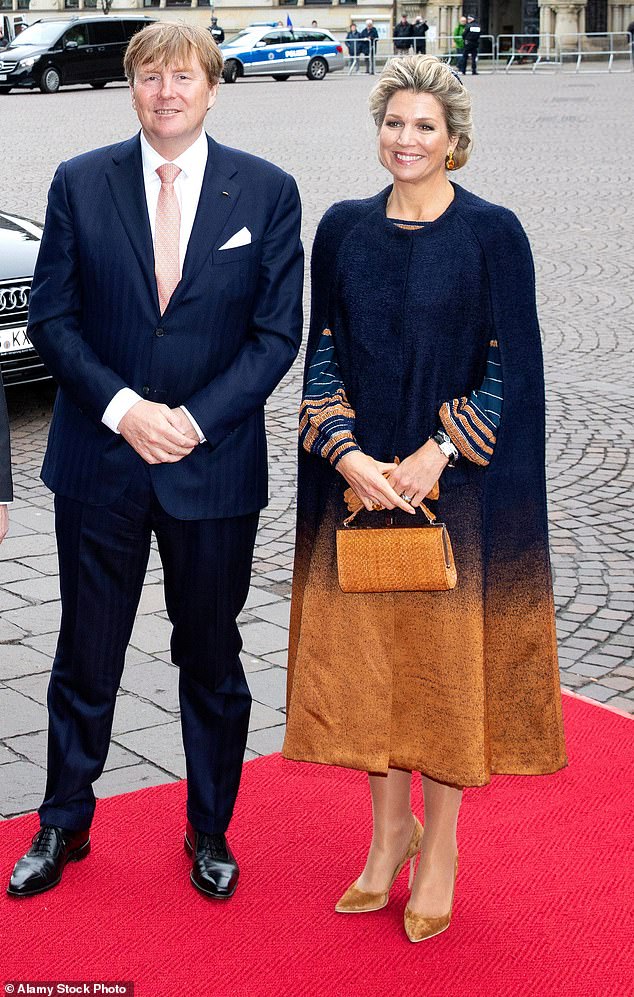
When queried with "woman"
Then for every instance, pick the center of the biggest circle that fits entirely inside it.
(424, 344)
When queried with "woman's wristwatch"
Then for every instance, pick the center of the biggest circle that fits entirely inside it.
(447, 446)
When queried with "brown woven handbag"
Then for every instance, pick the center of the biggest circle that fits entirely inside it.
(388, 558)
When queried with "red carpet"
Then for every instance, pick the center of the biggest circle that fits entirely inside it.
(543, 903)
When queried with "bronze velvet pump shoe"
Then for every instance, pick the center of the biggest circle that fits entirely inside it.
(356, 901)
(418, 927)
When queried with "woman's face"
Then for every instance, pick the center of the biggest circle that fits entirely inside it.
(413, 139)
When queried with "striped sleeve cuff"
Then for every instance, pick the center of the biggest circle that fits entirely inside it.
(326, 426)
(469, 429)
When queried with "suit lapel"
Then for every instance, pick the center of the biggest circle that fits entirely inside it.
(218, 198)
(125, 178)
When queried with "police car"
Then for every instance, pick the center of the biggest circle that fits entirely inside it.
(271, 50)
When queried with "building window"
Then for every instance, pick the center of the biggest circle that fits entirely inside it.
(151, 3)
(597, 16)
(71, 4)
(178, 3)
(317, 3)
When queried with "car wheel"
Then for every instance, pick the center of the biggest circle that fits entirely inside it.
(317, 69)
(230, 72)
(100, 85)
(282, 76)
(50, 80)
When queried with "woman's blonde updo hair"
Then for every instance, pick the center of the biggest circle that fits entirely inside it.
(426, 74)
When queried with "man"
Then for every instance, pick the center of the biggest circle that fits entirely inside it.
(402, 36)
(216, 31)
(370, 38)
(419, 30)
(6, 484)
(470, 42)
(458, 43)
(166, 302)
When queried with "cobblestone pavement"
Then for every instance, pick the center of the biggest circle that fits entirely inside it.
(543, 148)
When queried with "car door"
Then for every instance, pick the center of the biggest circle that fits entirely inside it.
(269, 51)
(307, 47)
(77, 54)
(109, 45)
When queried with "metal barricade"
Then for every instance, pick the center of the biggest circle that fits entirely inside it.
(600, 50)
(528, 51)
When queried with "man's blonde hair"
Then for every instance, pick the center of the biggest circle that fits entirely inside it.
(426, 74)
(167, 43)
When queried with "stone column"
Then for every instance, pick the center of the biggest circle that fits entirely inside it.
(570, 18)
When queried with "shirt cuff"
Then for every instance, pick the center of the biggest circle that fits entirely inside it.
(201, 435)
(118, 407)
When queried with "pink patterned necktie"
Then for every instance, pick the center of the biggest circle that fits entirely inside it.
(167, 235)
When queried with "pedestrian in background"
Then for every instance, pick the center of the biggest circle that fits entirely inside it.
(6, 484)
(458, 42)
(217, 33)
(353, 43)
(461, 684)
(419, 30)
(471, 43)
(402, 36)
(370, 38)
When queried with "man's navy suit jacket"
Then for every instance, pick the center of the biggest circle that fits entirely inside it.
(230, 332)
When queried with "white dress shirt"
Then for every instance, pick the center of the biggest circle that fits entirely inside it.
(187, 186)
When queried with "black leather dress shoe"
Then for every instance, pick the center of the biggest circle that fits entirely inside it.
(215, 870)
(42, 867)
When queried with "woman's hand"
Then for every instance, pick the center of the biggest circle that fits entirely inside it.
(417, 474)
(366, 478)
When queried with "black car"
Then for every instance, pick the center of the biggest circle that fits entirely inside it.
(19, 246)
(62, 51)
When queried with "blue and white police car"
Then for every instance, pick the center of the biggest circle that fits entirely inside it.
(271, 50)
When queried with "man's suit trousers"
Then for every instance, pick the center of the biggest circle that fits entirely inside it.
(103, 555)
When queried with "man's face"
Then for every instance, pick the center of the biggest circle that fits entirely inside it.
(171, 103)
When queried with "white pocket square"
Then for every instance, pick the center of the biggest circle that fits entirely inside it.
(241, 238)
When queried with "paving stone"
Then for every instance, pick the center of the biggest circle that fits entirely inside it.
(269, 687)
(151, 634)
(276, 612)
(264, 716)
(262, 638)
(153, 680)
(163, 746)
(126, 780)
(42, 589)
(596, 691)
(19, 715)
(258, 597)
(21, 789)
(33, 748)
(13, 571)
(266, 741)
(132, 713)
(41, 619)
(593, 671)
(621, 703)
(20, 659)
(152, 599)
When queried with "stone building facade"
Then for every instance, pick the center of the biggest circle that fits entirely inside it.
(497, 17)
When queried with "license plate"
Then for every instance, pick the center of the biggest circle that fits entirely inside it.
(3, 76)
(13, 340)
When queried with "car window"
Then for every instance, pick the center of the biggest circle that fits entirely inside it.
(41, 33)
(104, 32)
(131, 27)
(278, 38)
(78, 33)
(311, 36)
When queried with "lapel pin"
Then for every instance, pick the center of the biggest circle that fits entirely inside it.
(226, 193)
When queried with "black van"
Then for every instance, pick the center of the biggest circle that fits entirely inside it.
(61, 51)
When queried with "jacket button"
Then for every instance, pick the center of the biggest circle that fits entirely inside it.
(159, 332)
(146, 390)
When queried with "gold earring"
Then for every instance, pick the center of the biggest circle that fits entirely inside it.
(449, 161)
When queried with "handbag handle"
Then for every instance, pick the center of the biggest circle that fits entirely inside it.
(423, 508)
